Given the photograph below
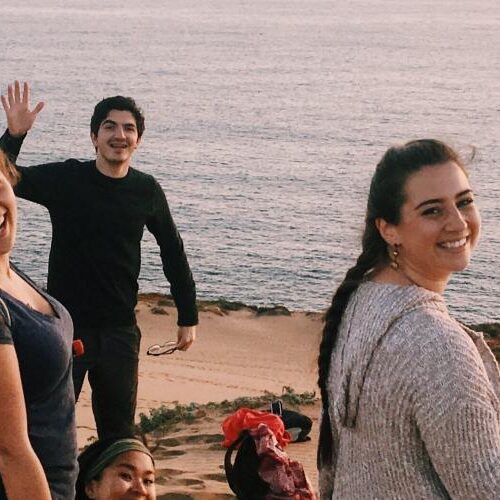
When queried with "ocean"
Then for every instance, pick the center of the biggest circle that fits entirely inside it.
(264, 122)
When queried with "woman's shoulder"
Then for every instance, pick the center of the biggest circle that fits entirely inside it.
(418, 325)
(431, 322)
(392, 296)
(432, 342)
(379, 306)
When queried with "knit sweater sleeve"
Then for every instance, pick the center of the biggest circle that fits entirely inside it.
(175, 263)
(457, 413)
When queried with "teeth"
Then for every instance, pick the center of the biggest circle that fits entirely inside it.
(454, 244)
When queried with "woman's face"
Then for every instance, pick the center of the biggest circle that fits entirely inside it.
(8, 215)
(130, 476)
(439, 225)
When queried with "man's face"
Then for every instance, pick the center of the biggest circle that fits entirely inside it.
(117, 138)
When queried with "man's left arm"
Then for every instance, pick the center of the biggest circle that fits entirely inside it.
(175, 267)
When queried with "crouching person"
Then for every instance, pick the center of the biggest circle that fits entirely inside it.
(116, 469)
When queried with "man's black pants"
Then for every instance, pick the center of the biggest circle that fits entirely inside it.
(111, 360)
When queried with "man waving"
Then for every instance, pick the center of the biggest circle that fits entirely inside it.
(99, 209)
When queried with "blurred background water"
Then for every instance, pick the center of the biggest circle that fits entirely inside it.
(264, 121)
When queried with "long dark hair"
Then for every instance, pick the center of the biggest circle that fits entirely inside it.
(385, 199)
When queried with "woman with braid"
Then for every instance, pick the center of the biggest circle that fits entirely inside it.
(410, 397)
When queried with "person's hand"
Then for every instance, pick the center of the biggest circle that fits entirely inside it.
(20, 117)
(186, 335)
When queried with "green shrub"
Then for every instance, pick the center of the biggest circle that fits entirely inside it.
(164, 417)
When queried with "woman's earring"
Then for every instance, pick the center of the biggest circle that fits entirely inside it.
(394, 257)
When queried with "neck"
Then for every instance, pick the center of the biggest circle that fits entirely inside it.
(115, 170)
(405, 277)
(432, 284)
(4, 266)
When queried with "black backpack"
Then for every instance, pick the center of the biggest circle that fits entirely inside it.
(242, 476)
(297, 424)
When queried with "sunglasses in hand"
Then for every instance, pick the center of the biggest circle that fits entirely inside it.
(168, 347)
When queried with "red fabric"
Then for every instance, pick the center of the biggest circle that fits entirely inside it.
(246, 419)
(286, 478)
(78, 348)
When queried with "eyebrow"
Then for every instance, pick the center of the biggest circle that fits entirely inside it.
(112, 122)
(440, 200)
(132, 467)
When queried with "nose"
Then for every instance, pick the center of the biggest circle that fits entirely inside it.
(120, 132)
(140, 487)
(456, 220)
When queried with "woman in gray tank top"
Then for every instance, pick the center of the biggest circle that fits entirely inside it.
(37, 408)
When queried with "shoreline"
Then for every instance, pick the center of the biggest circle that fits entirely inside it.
(224, 306)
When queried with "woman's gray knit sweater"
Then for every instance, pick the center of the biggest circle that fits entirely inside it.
(413, 402)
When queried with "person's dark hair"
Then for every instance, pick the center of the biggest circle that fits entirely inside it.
(88, 458)
(385, 199)
(119, 103)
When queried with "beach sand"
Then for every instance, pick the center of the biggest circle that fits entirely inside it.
(238, 353)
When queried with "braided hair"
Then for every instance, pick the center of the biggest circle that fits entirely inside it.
(385, 199)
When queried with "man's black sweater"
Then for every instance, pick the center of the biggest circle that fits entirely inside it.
(97, 227)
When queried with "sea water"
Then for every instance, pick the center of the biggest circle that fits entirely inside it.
(264, 121)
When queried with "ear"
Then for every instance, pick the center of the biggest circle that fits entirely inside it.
(91, 489)
(93, 138)
(138, 143)
(388, 231)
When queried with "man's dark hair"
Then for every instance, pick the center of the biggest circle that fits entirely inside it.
(119, 103)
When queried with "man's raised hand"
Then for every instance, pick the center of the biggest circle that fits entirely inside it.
(20, 117)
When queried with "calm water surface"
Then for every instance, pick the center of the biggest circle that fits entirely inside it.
(265, 119)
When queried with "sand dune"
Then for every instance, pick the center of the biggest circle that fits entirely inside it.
(236, 354)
